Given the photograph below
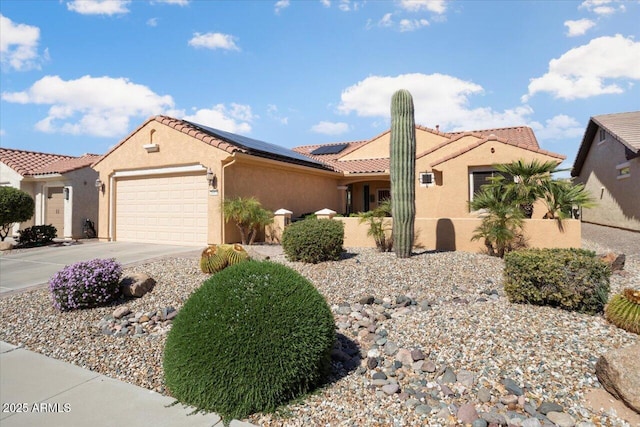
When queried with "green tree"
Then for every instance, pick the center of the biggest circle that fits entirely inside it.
(561, 196)
(527, 185)
(15, 206)
(502, 217)
(249, 216)
(379, 226)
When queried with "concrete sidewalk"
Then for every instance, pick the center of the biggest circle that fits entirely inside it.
(36, 391)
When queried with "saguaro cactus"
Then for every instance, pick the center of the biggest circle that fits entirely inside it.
(403, 167)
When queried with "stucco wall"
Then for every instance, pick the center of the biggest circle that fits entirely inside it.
(618, 200)
(379, 148)
(451, 234)
(277, 185)
(175, 149)
(450, 196)
(83, 201)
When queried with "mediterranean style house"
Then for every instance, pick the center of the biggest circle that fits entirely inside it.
(608, 164)
(165, 181)
(62, 187)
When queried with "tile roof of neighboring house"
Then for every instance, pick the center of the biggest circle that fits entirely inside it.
(30, 163)
(227, 141)
(520, 136)
(624, 127)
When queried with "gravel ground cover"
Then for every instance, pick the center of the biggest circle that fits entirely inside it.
(468, 348)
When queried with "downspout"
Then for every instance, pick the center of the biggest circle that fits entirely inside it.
(222, 196)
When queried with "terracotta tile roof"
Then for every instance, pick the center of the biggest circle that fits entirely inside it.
(522, 144)
(226, 141)
(30, 163)
(520, 136)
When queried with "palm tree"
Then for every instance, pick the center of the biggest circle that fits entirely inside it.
(502, 217)
(528, 180)
(249, 216)
(378, 225)
(561, 196)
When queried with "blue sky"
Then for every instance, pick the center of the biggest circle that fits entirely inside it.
(78, 76)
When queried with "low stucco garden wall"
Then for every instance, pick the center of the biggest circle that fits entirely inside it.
(454, 234)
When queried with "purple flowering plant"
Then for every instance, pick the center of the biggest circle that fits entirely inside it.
(86, 284)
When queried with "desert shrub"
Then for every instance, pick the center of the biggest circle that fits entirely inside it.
(15, 206)
(252, 337)
(624, 310)
(37, 235)
(313, 240)
(571, 279)
(217, 257)
(86, 284)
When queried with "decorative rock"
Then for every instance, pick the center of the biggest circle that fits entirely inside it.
(484, 395)
(423, 409)
(372, 362)
(429, 367)
(417, 355)
(393, 389)
(561, 419)
(367, 300)
(512, 387)
(466, 378)
(446, 390)
(619, 373)
(531, 422)
(6, 246)
(136, 285)
(379, 376)
(479, 423)
(546, 407)
(121, 311)
(493, 418)
(404, 356)
(390, 348)
(467, 413)
(449, 377)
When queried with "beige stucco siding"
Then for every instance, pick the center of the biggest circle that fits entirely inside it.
(83, 201)
(175, 149)
(379, 148)
(618, 199)
(450, 196)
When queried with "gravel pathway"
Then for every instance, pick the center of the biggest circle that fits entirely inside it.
(428, 340)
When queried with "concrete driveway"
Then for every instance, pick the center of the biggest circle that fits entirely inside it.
(30, 268)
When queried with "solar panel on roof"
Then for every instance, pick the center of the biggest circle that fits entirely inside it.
(254, 144)
(329, 149)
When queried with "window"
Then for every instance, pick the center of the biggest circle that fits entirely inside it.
(624, 170)
(427, 179)
(384, 194)
(479, 178)
(602, 135)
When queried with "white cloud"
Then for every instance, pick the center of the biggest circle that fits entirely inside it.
(326, 3)
(435, 6)
(386, 21)
(99, 7)
(95, 106)
(18, 45)
(558, 127)
(176, 2)
(214, 41)
(579, 27)
(412, 24)
(602, 7)
(273, 113)
(438, 99)
(235, 119)
(589, 70)
(330, 128)
(280, 5)
(152, 22)
(2, 132)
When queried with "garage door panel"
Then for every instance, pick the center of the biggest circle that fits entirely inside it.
(167, 209)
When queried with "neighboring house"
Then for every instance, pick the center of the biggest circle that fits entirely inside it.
(63, 188)
(608, 164)
(164, 183)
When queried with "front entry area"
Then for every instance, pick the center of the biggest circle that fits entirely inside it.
(55, 209)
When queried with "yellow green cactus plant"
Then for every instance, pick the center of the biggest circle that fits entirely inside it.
(624, 310)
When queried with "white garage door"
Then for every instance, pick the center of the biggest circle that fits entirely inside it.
(164, 209)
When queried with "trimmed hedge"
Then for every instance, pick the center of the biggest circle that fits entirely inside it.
(252, 337)
(571, 279)
(313, 240)
(37, 235)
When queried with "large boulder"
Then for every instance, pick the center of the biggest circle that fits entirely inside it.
(136, 285)
(619, 373)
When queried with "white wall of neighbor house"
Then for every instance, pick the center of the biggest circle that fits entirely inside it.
(11, 178)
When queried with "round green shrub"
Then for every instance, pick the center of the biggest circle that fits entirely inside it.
(252, 337)
(313, 240)
(571, 279)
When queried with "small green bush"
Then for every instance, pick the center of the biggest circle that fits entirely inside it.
(313, 240)
(15, 206)
(571, 279)
(252, 337)
(37, 235)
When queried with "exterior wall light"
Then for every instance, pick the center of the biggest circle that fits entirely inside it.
(100, 185)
